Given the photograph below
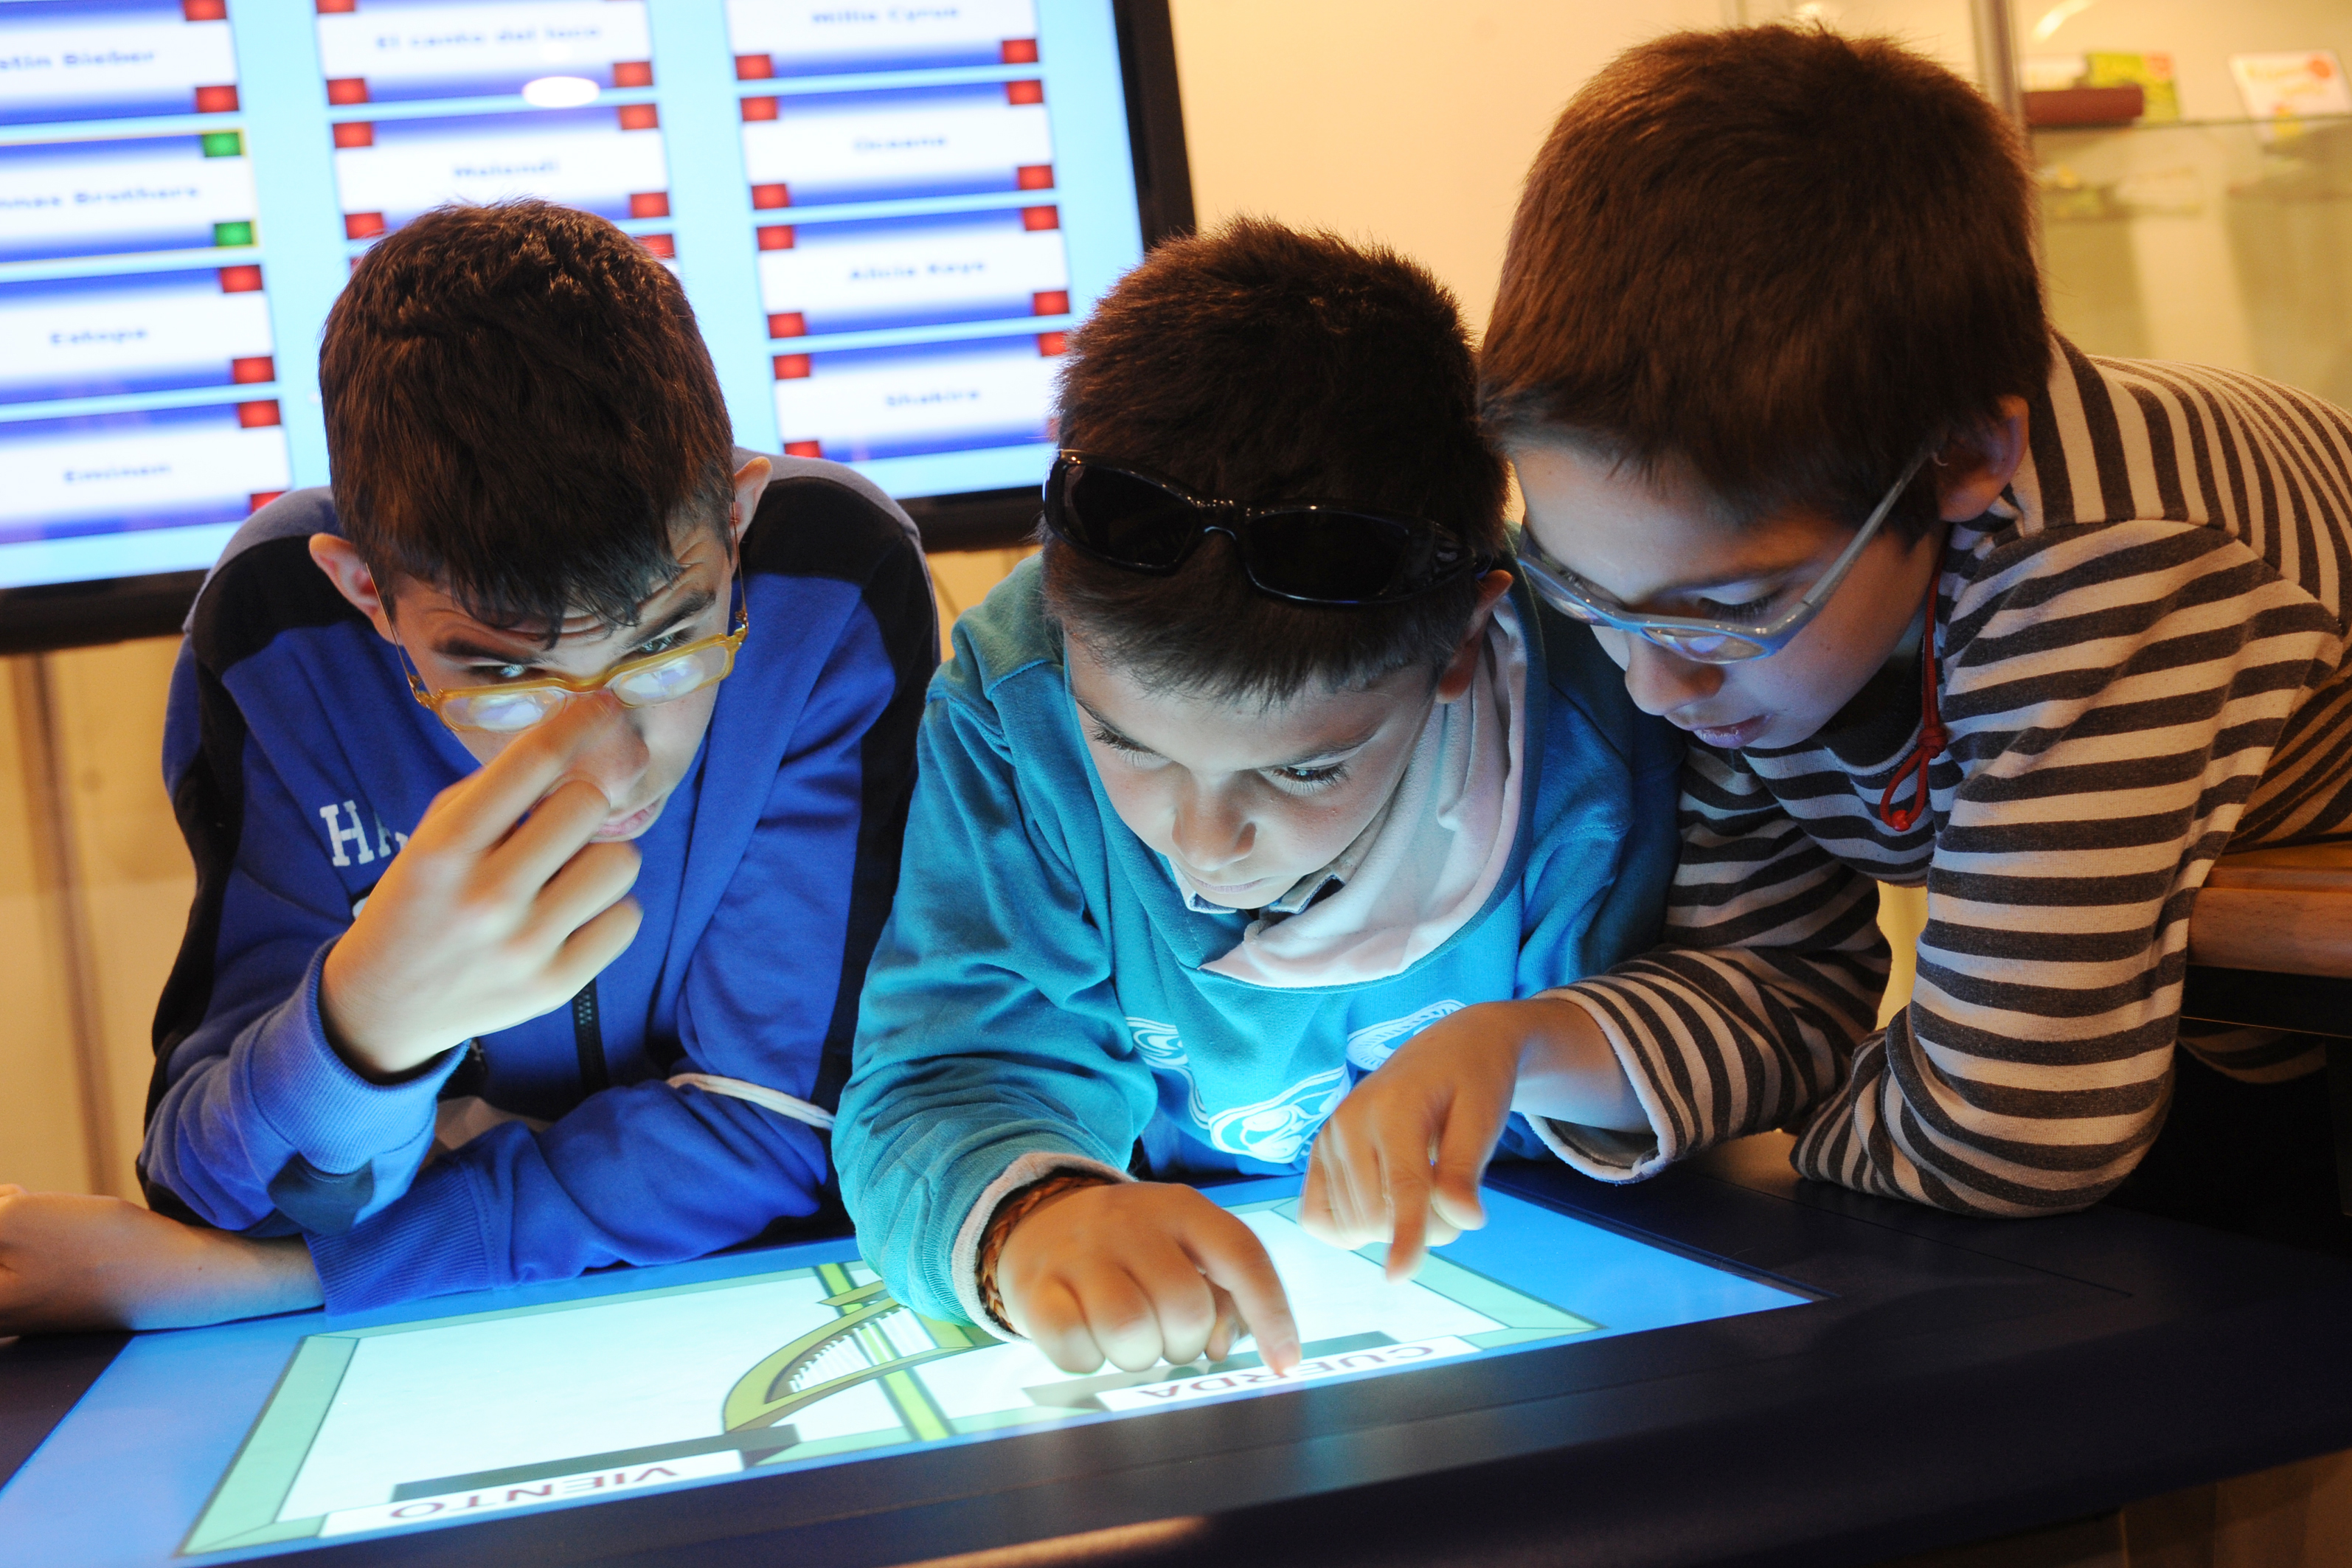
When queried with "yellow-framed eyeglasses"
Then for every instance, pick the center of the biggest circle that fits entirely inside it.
(657, 677)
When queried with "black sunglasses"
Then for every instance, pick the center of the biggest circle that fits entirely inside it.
(1313, 553)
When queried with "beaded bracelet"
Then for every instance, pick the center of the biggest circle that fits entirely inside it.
(1011, 1212)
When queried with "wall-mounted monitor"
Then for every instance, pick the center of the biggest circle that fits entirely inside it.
(886, 217)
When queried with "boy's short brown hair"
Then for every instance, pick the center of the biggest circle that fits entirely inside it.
(1258, 363)
(1788, 259)
(521, 412)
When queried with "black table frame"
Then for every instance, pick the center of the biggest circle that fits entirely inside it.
(1960, 1379)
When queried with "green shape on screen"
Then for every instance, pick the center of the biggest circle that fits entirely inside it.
(228, 234)
(224, 143)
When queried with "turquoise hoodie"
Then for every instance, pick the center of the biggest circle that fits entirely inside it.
(1039, 987)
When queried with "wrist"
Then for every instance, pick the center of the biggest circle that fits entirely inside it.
(378, 1062)
(1019, 1206)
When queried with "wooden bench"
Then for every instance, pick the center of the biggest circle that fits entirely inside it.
(2270, 946)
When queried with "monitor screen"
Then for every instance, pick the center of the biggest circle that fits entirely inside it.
(265, 1437)
(886, 216)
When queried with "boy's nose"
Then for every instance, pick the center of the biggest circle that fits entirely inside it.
(1209, 836)
(1659, 682)
(614, 757)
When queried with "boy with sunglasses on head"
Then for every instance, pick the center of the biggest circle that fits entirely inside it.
(1939, 599)
(1263, 767)
(544, 784)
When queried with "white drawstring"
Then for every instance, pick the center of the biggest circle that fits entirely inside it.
(767, 1098)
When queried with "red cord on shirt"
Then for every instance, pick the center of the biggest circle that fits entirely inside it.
(1933, 739)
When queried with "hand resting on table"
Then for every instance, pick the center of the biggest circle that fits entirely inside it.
(70, 1262)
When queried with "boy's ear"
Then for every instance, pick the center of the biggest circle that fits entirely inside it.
(334, 556)
(750, 483)
(1454, 679)
(1973, 469)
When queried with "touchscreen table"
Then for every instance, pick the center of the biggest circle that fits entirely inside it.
(259, 1438)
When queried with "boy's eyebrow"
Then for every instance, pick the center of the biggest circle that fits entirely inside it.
(1321, 753)
(460, 645)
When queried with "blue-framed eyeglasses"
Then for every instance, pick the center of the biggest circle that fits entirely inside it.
(1702, 641)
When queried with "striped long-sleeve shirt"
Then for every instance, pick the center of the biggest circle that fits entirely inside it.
(2140, 664)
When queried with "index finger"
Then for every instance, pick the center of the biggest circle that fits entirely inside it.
(492, 802)
(1229, 1254)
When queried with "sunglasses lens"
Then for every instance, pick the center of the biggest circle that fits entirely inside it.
(1119, 516)
(1339, 557)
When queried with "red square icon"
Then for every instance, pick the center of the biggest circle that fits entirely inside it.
(260, 499)
(354, 133)
(759, 109)
(804, 448)
(347, 90)
(1051, 343)
(766, 196)
(775, 236)
(363, 226)
(1035, 219)
(639, 117)
(633, 73)
(649, 203)
(1035, 177)
(754, 68)
(787, 324)
(258, 415)
(337, 7)
(251, 369)
(792, 367)
(1050, 303)
(661, 245)
(1019, 52)
(216, 100)
(204, 10)
(240, 279)
(1024, 92)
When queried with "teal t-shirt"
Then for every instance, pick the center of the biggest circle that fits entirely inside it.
(1039, 987)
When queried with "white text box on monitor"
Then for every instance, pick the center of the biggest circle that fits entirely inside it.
(114, 59)
(155, 332)
(857, 404)
(902, 143)
(405, 50)
(64, 199)
(821, 38)
(926, 270)
(165, 468)
(606, 160)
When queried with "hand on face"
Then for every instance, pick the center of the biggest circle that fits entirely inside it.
(1142, 1272)
(500, 907)
(70, 1263)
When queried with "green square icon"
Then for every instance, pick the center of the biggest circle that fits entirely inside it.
(240, 232)
(224, 143)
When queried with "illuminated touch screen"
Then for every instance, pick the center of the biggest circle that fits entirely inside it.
(886, 217)
(256, 1438)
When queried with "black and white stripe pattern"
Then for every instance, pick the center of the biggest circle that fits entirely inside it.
(2141, 665)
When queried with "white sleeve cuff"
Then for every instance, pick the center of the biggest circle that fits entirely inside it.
(1601, 1153)
(963, 1264)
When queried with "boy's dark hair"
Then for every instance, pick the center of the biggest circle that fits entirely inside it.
(1255, 365)
(1785, 259)
(520, 411)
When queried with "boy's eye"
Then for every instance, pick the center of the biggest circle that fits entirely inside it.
(1746, 612)
(1104, 736)
(1321, 774)
(662, 644)
(498, 674)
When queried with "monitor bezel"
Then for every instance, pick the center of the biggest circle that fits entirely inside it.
(49, 617)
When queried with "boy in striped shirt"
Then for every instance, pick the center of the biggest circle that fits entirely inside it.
(1940, 599)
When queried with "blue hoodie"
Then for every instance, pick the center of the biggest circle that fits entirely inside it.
(1039, 994)
(297, 762)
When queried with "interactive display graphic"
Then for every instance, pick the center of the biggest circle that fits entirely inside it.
(383, 1429)
(886, 216)
(281, 1434)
